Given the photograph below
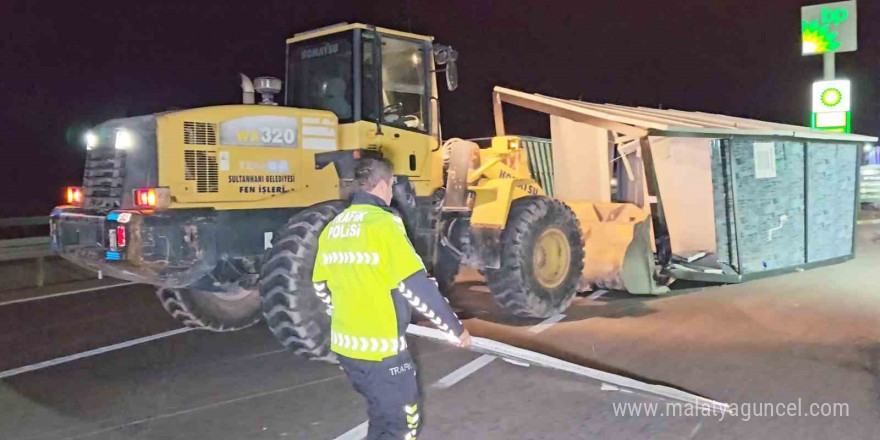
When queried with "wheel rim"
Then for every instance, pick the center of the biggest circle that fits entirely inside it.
(551, 259)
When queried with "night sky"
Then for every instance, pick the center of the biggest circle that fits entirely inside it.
(67, 65)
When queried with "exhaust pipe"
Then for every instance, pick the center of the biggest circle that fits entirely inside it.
(247, 89)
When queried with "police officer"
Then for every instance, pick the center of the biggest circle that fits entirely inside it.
(366, 260)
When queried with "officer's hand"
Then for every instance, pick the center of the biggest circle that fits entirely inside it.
(464, 339)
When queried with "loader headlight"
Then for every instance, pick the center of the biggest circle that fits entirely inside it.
(513, 144)
(124, 139)
(91, 140)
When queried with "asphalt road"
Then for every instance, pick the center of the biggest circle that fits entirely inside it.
(800, 339)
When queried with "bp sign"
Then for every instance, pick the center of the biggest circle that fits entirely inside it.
(829, 28)
(832, 102)
(832, 96)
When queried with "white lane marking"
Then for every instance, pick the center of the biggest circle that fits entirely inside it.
(95, 352)
(359, 432)
(545, 324)
(597, 294)
(465, 371)
(353, 433)
(480, 362)
(203, 407)
(56, 295)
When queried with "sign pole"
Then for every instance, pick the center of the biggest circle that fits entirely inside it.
(828, 65)
(827, 29)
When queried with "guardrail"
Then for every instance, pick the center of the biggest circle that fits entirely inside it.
(24, 221)
(26, 248)
(869, 188)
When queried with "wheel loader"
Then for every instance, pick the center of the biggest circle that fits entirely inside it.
(221, 207)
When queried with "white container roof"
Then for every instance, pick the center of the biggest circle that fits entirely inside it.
(669, 122)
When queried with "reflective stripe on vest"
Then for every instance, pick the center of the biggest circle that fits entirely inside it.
(371, 258)
(426, 311)
(370, 345)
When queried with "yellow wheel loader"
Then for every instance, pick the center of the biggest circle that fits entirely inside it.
(221, 207)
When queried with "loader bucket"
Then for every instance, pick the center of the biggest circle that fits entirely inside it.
(617, 248)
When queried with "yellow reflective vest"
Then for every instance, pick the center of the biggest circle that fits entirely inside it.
(363, 254)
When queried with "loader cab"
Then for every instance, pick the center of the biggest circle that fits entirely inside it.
(380, 83)
(340, 69)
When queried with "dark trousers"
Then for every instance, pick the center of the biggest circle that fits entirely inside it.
(392, 394)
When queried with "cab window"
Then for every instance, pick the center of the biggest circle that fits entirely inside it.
(320, 75)
(404, 91)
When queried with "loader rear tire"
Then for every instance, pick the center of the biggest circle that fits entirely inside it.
(295, 315)
(218, 312)
(541, 258)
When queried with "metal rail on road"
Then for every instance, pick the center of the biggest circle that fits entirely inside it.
(526, 357)
(26, 248)
(24, 221)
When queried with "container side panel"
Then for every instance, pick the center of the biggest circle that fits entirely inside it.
(770, 209)
(830, 194)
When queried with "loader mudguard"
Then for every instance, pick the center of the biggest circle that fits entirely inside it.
(463, 157)
(494, 197)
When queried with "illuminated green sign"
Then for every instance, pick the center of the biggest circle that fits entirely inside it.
(829, 28)
(832, 102)
(831, 97)
(838, 122)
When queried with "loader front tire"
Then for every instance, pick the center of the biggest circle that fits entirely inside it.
(218, 312)
(295, 315)
(542, 253)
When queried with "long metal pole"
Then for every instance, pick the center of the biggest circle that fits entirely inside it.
(521, 356)
(828, 65)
